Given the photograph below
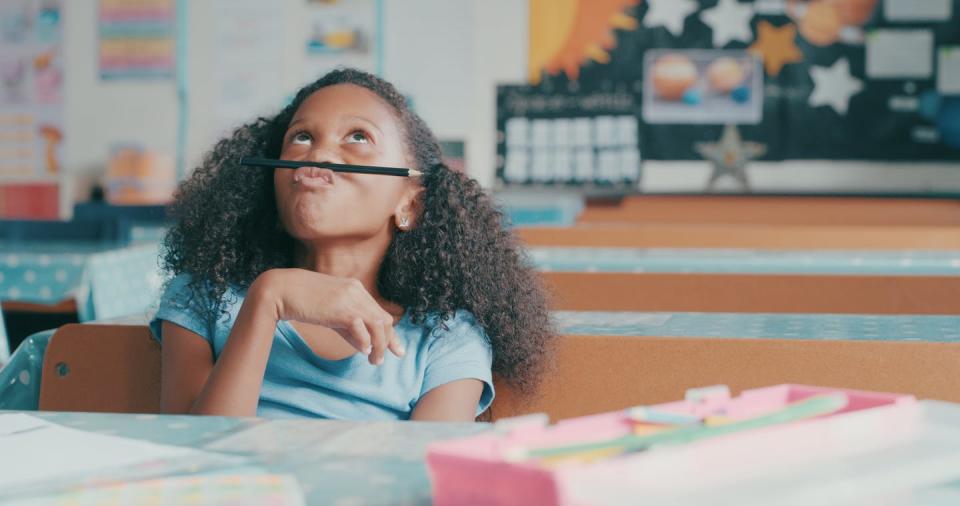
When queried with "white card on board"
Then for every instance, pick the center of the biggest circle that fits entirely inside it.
(948, 70)
(917, 10)
(900, 54)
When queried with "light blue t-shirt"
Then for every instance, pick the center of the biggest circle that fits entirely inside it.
(297, 382)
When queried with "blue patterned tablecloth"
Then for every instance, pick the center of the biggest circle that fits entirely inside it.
(762, 325)
(915, 263)
(526, 208)
(106, 280)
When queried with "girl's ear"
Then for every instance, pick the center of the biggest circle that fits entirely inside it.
(409, 209)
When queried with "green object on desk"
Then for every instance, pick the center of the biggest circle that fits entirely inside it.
(802, 410)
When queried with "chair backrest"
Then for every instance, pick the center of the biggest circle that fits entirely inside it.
(754, 293)
(101, 368)
(116, 368)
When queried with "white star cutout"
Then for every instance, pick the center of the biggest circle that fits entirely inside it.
(729, 20)
(834, 86)
(669, 14)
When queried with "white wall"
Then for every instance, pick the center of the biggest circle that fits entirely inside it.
(448, 55)
(429, 54)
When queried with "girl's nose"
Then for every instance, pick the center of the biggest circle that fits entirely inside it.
(323, 153)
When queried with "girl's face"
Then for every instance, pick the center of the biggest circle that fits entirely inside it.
(343, 123)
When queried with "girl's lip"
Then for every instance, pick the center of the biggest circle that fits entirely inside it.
(314, 176)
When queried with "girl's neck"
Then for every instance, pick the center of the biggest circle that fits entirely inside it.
(357, 259)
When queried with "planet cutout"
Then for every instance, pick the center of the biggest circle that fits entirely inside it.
(855, 12)
(673, 75)
(821, 23)
(724, 74)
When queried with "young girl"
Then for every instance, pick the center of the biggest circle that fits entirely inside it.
(336, 295)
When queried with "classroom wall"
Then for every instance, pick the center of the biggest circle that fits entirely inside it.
(447, 55)
(428, 54)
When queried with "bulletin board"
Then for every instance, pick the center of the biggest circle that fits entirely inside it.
(839, 79)
(568, 138)
(31, 108)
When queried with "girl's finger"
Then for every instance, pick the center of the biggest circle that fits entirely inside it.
(361, 337)
(378, 340)
(396, 345)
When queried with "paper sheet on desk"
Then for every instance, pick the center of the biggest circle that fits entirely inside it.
(36, 454)
(246, 489)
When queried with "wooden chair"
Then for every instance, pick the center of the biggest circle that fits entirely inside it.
(114, 368)
(101, 368)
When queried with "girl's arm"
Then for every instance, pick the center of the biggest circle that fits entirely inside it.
(192, 383)
(453, 402)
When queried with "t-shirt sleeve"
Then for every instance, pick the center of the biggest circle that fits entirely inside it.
(181, 306)
(462, 352)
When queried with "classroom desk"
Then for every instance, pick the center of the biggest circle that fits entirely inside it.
(745, 236)
(94, 280)
(778, 210)
(746, 261)
(20, 379)
(334, 462)
(383, 462)
(753, 293)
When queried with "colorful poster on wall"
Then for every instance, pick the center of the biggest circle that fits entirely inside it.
(31, 108)
(137, 39)
(340, 33)
(249, 42)
(568, 138)
(842, 79)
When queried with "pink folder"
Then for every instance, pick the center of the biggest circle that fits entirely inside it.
(484, 469)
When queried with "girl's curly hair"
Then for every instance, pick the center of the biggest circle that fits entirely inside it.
(226, 231)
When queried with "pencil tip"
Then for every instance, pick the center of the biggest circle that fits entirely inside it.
(414, 173)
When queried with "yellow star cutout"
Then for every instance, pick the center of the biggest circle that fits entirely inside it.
(776, 46)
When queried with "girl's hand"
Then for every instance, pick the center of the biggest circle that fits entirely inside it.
(342, 304)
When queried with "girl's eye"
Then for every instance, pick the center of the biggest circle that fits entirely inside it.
(300, 138)
(357, 137)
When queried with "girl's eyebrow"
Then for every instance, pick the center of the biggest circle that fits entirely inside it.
(301, 119)
(372, 124)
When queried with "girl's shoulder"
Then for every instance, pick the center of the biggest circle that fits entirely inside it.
(186, 292)
(459, 330)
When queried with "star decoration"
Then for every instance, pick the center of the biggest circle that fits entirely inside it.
(776, 46)
(729, 20)
(834, 86)
(669, 14)
(730, 156)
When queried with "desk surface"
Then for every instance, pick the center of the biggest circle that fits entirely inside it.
(334, 462)
(383, 462)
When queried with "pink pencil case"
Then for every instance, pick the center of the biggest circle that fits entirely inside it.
(484, 469)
